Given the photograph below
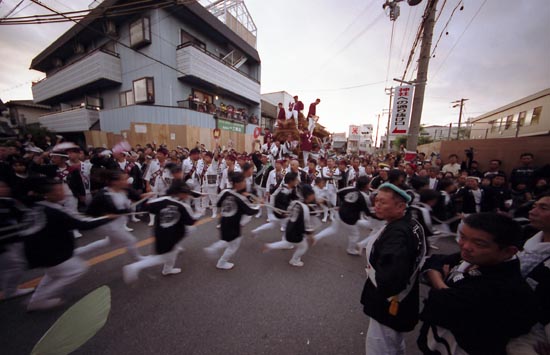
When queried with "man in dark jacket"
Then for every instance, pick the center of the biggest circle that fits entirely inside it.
(478, 300)
(390, 296)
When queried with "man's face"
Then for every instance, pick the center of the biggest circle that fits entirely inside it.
(330, 163)
(452, 160)
(539, 216)
(479, 248)
(355, 164)
(294, 165)
(73, 155)
(238, 186)
(387, 206)
(161, 156)
(57, 160)
(195, 156)
(498, 181)
(472, 184)
(493, 165)
(526, 160)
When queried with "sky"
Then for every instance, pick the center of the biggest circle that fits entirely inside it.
(492, 52)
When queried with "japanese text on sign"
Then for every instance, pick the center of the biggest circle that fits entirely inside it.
(401, 112)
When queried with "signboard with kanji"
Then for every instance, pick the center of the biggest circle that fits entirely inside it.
(402, 107)
(231, 126)
(354, 133)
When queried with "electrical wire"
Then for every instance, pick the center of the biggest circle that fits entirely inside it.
(342, 88)
(459, 38)
(389, 54)
(114, 40)
(416, 40)
(359, 16)
(445, 27)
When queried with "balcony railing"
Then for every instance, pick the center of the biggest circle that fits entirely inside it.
(74, 120)
(100, 67)
(196, 62)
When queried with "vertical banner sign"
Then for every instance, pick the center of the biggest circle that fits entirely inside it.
(402, 107)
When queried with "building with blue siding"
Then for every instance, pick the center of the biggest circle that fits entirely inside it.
(161, 63)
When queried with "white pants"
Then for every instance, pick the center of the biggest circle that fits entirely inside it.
(230, 249)
(331, 193)
(12, 265)
(273, 223)
(117, 237)
(211, 198)
(337, 227)
(57, 278)
(305, 154)
(382, 340)
(301, 248)
(374, 225)
(168, 259)
(311, 125)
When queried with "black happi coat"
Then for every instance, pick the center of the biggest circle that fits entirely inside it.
(11, 214)
(172, 217)
(299, 222)
(395, 256)
(233, 206)
(282, 199)
(352, 203)
(103, 204)
(50, 241)
(483, 307)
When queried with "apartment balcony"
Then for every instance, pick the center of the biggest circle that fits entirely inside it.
(196, 64)
(97, 70)
(75, 120)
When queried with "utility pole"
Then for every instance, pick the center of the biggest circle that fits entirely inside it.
(388, 147)
(461, 104)
(422, 75)
(377, 126)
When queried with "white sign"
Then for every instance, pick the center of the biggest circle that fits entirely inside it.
(354, 133)
(402, 107)
(140, 128)
(173, 136)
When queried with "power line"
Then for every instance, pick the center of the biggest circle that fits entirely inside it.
(459, 38)
(417, 39)
(342, 88)
(359, 16)
(356, 37)
(389, 55)
(446, 25)
(113, 39)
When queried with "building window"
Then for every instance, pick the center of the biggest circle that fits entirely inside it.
(509, 121)
(521, 118)
(126, 98)
(187, 38)
(140, 32)
(535, 118)
(144, 90)
(94, 103)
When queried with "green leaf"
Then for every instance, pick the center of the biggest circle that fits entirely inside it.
(77, 325)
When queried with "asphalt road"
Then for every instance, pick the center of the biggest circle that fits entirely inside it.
(262, 306)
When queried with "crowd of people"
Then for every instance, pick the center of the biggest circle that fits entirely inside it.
(491, 295)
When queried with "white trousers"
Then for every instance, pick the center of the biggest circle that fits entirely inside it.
(57, 278)
(168, 259)
(331, 194)
(337, 227)
(305, 154)
(230, 249)
(374, 225)
(382, 340)
(117, 237)
(211, 198)
(273, 223)
(12, 265)
(301, 248)
(311, 125)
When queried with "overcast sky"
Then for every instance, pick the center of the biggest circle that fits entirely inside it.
(339, 51)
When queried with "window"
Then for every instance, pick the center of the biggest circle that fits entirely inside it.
(94, 103)
(521, 119)
(126, 98)
(535, 118)
(509, 121)
(140, 32)
(187, 38)
(144, 90)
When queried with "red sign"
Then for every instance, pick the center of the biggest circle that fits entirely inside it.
(216, 133)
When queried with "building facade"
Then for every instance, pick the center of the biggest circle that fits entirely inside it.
(360, 139)
(529, 116)
(167, 65)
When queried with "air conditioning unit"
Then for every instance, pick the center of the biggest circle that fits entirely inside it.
(110, 28)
